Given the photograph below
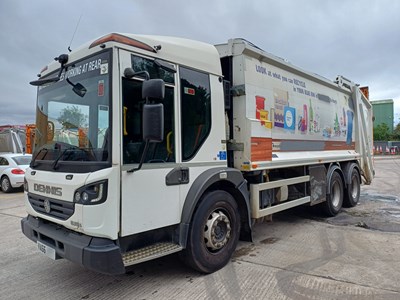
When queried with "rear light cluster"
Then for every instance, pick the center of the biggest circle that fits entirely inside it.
(17, 172)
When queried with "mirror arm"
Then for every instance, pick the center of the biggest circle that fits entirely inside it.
(130, 73)
(146, 148)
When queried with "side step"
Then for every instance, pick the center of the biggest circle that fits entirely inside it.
(149, 253)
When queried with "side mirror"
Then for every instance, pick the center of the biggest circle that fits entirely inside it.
(153, 88)
(153, 122)
(153, 129)
(79, 89)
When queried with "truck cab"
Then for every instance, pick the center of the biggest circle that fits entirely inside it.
(94, 177)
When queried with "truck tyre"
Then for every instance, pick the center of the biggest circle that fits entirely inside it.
(6, 185)
(352, 192)
(213, 233)
(334, 200)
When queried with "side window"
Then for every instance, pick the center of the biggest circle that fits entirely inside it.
(3, 162)
(196, 110)
(132, 109)
(144, 64)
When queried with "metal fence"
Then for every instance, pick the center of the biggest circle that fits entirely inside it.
(386, 148)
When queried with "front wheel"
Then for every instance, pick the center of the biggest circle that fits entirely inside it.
(6, 185)
(334, 200)
(213, 233)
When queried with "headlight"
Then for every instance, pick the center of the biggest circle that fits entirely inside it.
(94, 193)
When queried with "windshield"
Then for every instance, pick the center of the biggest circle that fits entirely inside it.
(73, 118)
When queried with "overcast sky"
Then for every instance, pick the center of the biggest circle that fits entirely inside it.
(359, 39)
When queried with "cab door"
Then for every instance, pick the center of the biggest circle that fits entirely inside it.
(149, 196)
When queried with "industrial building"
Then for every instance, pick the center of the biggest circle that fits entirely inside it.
(383, 113)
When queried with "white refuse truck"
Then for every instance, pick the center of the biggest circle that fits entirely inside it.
(150, 145)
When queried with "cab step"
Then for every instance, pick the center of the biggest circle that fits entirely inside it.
(149, 253)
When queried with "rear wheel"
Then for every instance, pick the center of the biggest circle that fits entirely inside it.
(334, 200)
(213, 233)
(6, 184)
(352, 192)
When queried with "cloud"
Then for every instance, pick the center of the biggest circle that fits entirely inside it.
(357, 39)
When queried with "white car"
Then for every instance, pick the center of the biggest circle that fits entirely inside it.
(12, 170)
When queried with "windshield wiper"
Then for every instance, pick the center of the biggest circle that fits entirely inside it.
(61, 155)
(62, 59)
(33, 165)
(41, 82)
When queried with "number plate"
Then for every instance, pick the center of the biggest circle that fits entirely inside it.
(46, 250)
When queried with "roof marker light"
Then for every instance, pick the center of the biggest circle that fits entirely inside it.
(115, 37)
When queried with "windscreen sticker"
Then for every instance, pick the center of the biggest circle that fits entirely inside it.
(189, 91)
(104, 69)
(86, 67)
(222, 155)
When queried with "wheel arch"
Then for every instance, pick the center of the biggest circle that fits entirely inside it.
(3, 176)
(347, 170)
(334, 167)
(226, 179)
(352, 186)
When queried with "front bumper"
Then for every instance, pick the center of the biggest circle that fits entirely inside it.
(97, 254)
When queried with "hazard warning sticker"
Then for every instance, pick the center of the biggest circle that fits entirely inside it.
(100, 88)
(189, 91)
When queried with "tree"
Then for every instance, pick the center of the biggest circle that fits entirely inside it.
(72, 117)
(381, 132)
(396, 133)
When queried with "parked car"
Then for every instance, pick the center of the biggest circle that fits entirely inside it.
(12, 170)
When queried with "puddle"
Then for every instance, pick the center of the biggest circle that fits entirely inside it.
(382, 217)
(251, 249)
(270, 240)
(394, 212)
(383, 198)
(244, 251)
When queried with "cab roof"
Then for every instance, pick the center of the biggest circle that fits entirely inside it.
(190, 53)
(185, 52)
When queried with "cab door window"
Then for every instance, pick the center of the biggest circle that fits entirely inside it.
(195, 110)
(133, 144)
(132, 110)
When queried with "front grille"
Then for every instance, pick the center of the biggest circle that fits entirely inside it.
(58, 209)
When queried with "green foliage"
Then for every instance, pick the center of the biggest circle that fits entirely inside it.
(72, 117)
(396, 133)
(381, 132)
